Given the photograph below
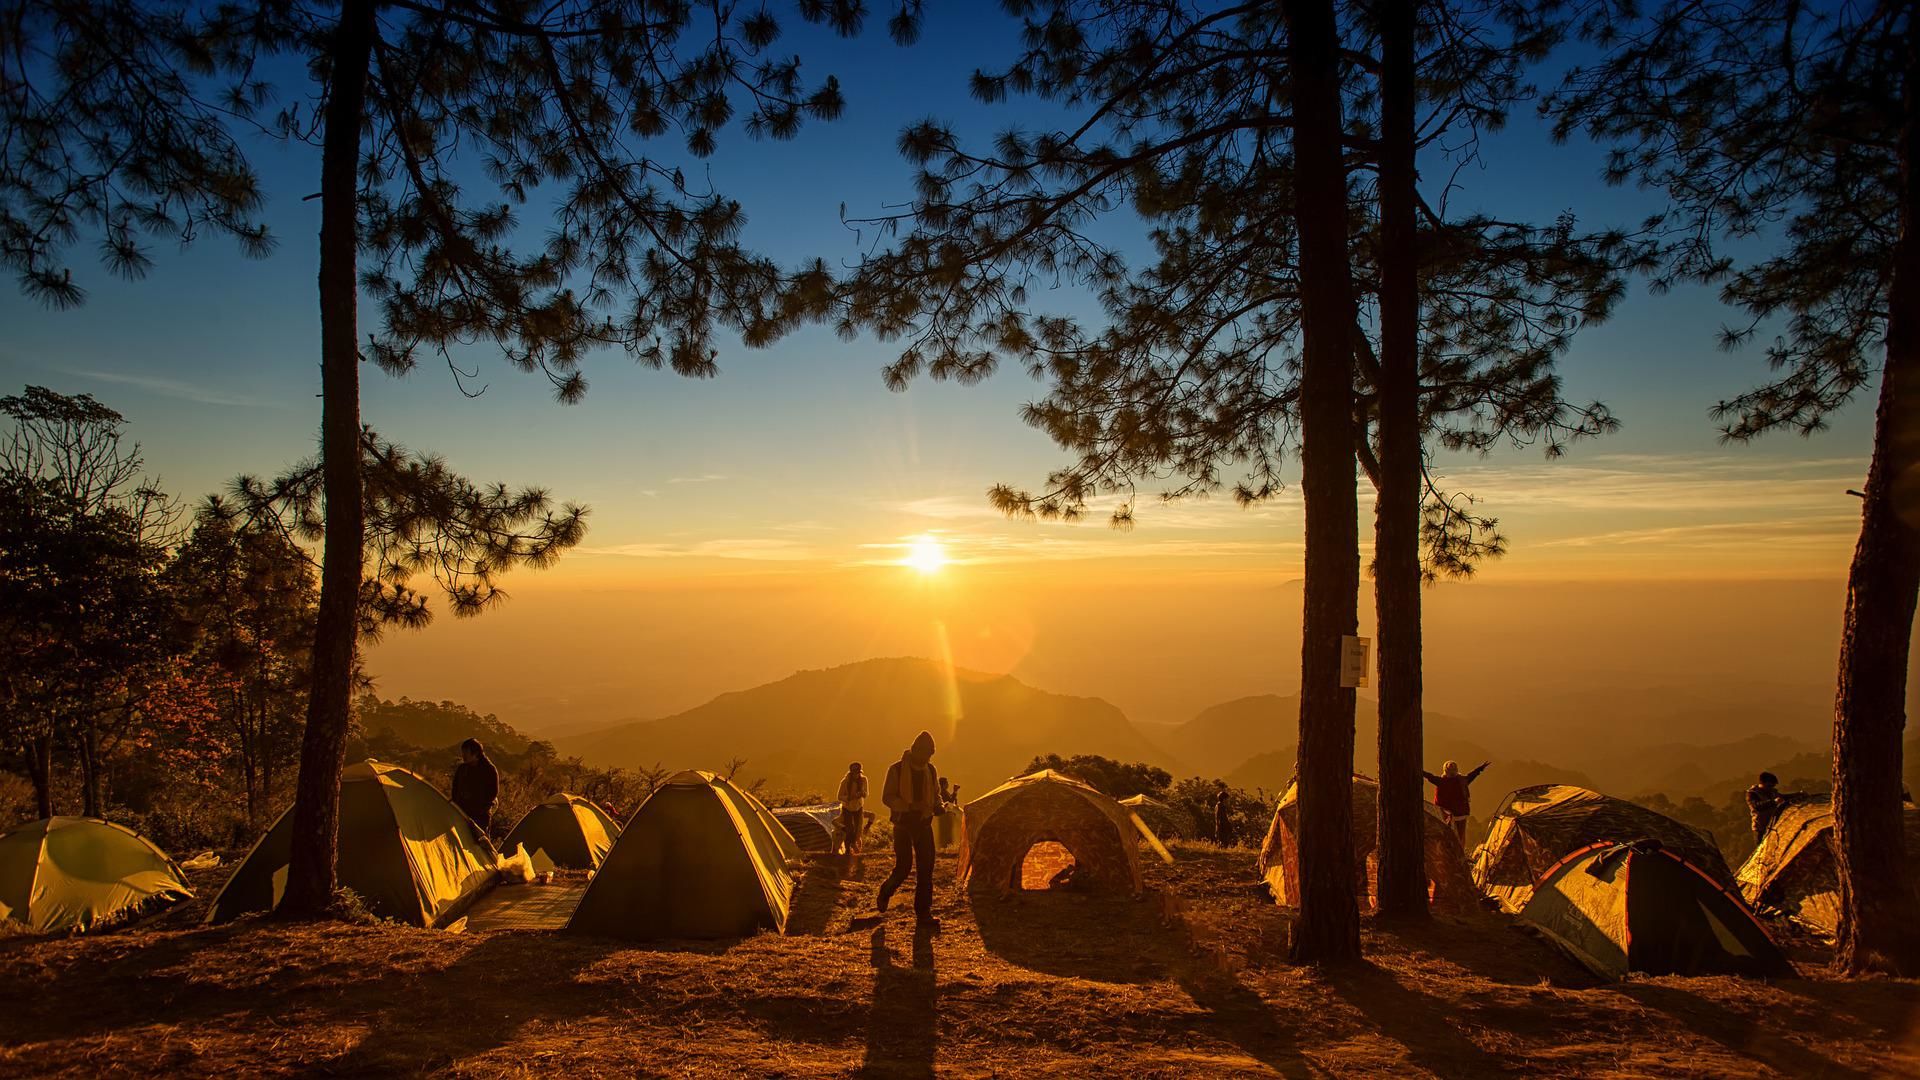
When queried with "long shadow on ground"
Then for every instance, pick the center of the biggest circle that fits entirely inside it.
(1114, 939)
(1750, 1038)
(1413, 1020)
(903, 1023)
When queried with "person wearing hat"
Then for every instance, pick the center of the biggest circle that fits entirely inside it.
(912, 795)
(853, 807)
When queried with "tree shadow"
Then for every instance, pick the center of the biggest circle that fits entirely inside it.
(902, 1024)
(1414, 1020)
(1490, 947)
(1743, 1035)
(1241, 1017)
(1876, 1008)
(1113, 939)
(816, 896)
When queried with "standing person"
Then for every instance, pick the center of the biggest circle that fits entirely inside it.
(912, 793)
(476, 784)
(1764, 803)
(1222, 814)
(1450, 793)
(946, 796)
(853, 807)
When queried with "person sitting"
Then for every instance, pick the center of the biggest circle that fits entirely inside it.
(1764, 803)
(476, 784)
(1451, 793)
(853, 808)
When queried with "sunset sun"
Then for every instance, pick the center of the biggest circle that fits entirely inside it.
(926, 555)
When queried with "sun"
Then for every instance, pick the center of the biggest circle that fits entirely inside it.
(926, 555)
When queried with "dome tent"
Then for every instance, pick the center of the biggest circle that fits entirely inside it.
(1792, 870)
(1619, 908)
(1166, 822)
(62, 874)
(411, 855)
(1001, 826)
(701, 858)
(565, 832)
(813, 827)
(1535, 827)
(1446, 860)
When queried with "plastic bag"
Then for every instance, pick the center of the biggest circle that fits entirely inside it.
(517, 867)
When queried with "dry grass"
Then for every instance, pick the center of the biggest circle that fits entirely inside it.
(1058, 983)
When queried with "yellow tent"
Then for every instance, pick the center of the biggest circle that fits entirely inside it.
(701, 858)
(566, 832)
(1792, 870)
(1450, 883)
(1535, 827)
(410, 854)
(1000, 827)
(63, 874)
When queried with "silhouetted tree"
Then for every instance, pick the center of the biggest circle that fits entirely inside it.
(1787, 137)
(1121, 780)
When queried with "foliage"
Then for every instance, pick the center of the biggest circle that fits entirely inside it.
(1119, 779)
(1248, 812)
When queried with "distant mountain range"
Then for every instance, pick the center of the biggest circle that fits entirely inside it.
(800, 732)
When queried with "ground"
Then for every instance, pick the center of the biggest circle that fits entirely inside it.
(1191, 980)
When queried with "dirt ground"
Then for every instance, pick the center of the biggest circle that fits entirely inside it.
(1039, 984)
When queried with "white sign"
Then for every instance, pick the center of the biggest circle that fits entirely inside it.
(1355, 654)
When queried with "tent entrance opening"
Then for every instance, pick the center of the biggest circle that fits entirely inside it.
(1046, 865)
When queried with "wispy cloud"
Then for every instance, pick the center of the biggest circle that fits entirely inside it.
(175, 388)
(1651, 482)
(755, 549)
(703, 478)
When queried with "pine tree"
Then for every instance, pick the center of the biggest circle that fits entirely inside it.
(1791, 130)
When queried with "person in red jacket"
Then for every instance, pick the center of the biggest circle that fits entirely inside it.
(1450, 793)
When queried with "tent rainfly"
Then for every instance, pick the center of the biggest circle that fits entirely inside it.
(72, 874)
(1001, 826)
(1792, 870)
(1619, 908)
(411, 855)
(701, 858)
(813, 827)
(1535, 827)
(566, 832)
(1450, 882)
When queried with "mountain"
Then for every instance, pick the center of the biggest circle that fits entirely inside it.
(431, 725)
(1222, 739)
(800, 732)
(1681, 769)
(1272, 771)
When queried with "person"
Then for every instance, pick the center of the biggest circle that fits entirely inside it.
(946, 795)
(853, 807)
(1764, 803)
(1450, 793)
(911, 792)
(1222, 809)
(476, 784)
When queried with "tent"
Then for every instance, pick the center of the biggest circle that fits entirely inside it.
(1000, 827)
(701, 858)
(1792, 870)
(813, 827)
(1165, 821)
(1639, 907)
(1450, 882)
(1537, 826)
(566, 832)
(63, 874)
(411, 855)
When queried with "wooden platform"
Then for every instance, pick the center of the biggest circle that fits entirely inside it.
(525, 907)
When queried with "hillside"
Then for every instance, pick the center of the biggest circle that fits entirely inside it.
(428, 725)
(1225, 738)
(800, 732)
(1272, 771)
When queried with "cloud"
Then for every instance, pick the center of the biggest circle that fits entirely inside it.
(1653, 482)
(750, 548)
(175, 388)
(703, 478)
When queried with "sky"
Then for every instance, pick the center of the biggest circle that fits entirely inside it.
(751, 524)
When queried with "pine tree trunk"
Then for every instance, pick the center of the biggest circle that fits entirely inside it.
(89, 746)
(40, 772)
(1328, 927)
(316, 804)
(1876, 923)
(1402, 886)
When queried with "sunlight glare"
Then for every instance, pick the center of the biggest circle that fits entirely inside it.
(926, 555)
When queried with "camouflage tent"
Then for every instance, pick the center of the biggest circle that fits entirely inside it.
(1535, 827)
(1000, 827)
(1619, 908)
(1450, 885)
(1792, 871)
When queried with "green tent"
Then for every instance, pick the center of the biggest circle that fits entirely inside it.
(1535, 827)
(62, 874)
(566, 832)
(410, 854)
(1618, 908)
(700, 859)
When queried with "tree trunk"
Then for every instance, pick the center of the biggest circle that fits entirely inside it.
(88, 744)
(1876, 932)
(316, 804)
(1328, 927)
(40, 771)
(1402, 886)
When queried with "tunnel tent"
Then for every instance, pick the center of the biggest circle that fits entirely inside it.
(1003, 825)
(1450, 881)
(1619, 908)
(1792, 870)
(813, 827)
(1535, 827)
(73, 874)
(565, 832)
(701, 858)
(411, 855)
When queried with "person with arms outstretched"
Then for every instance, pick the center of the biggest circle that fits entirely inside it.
(1450, 793)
